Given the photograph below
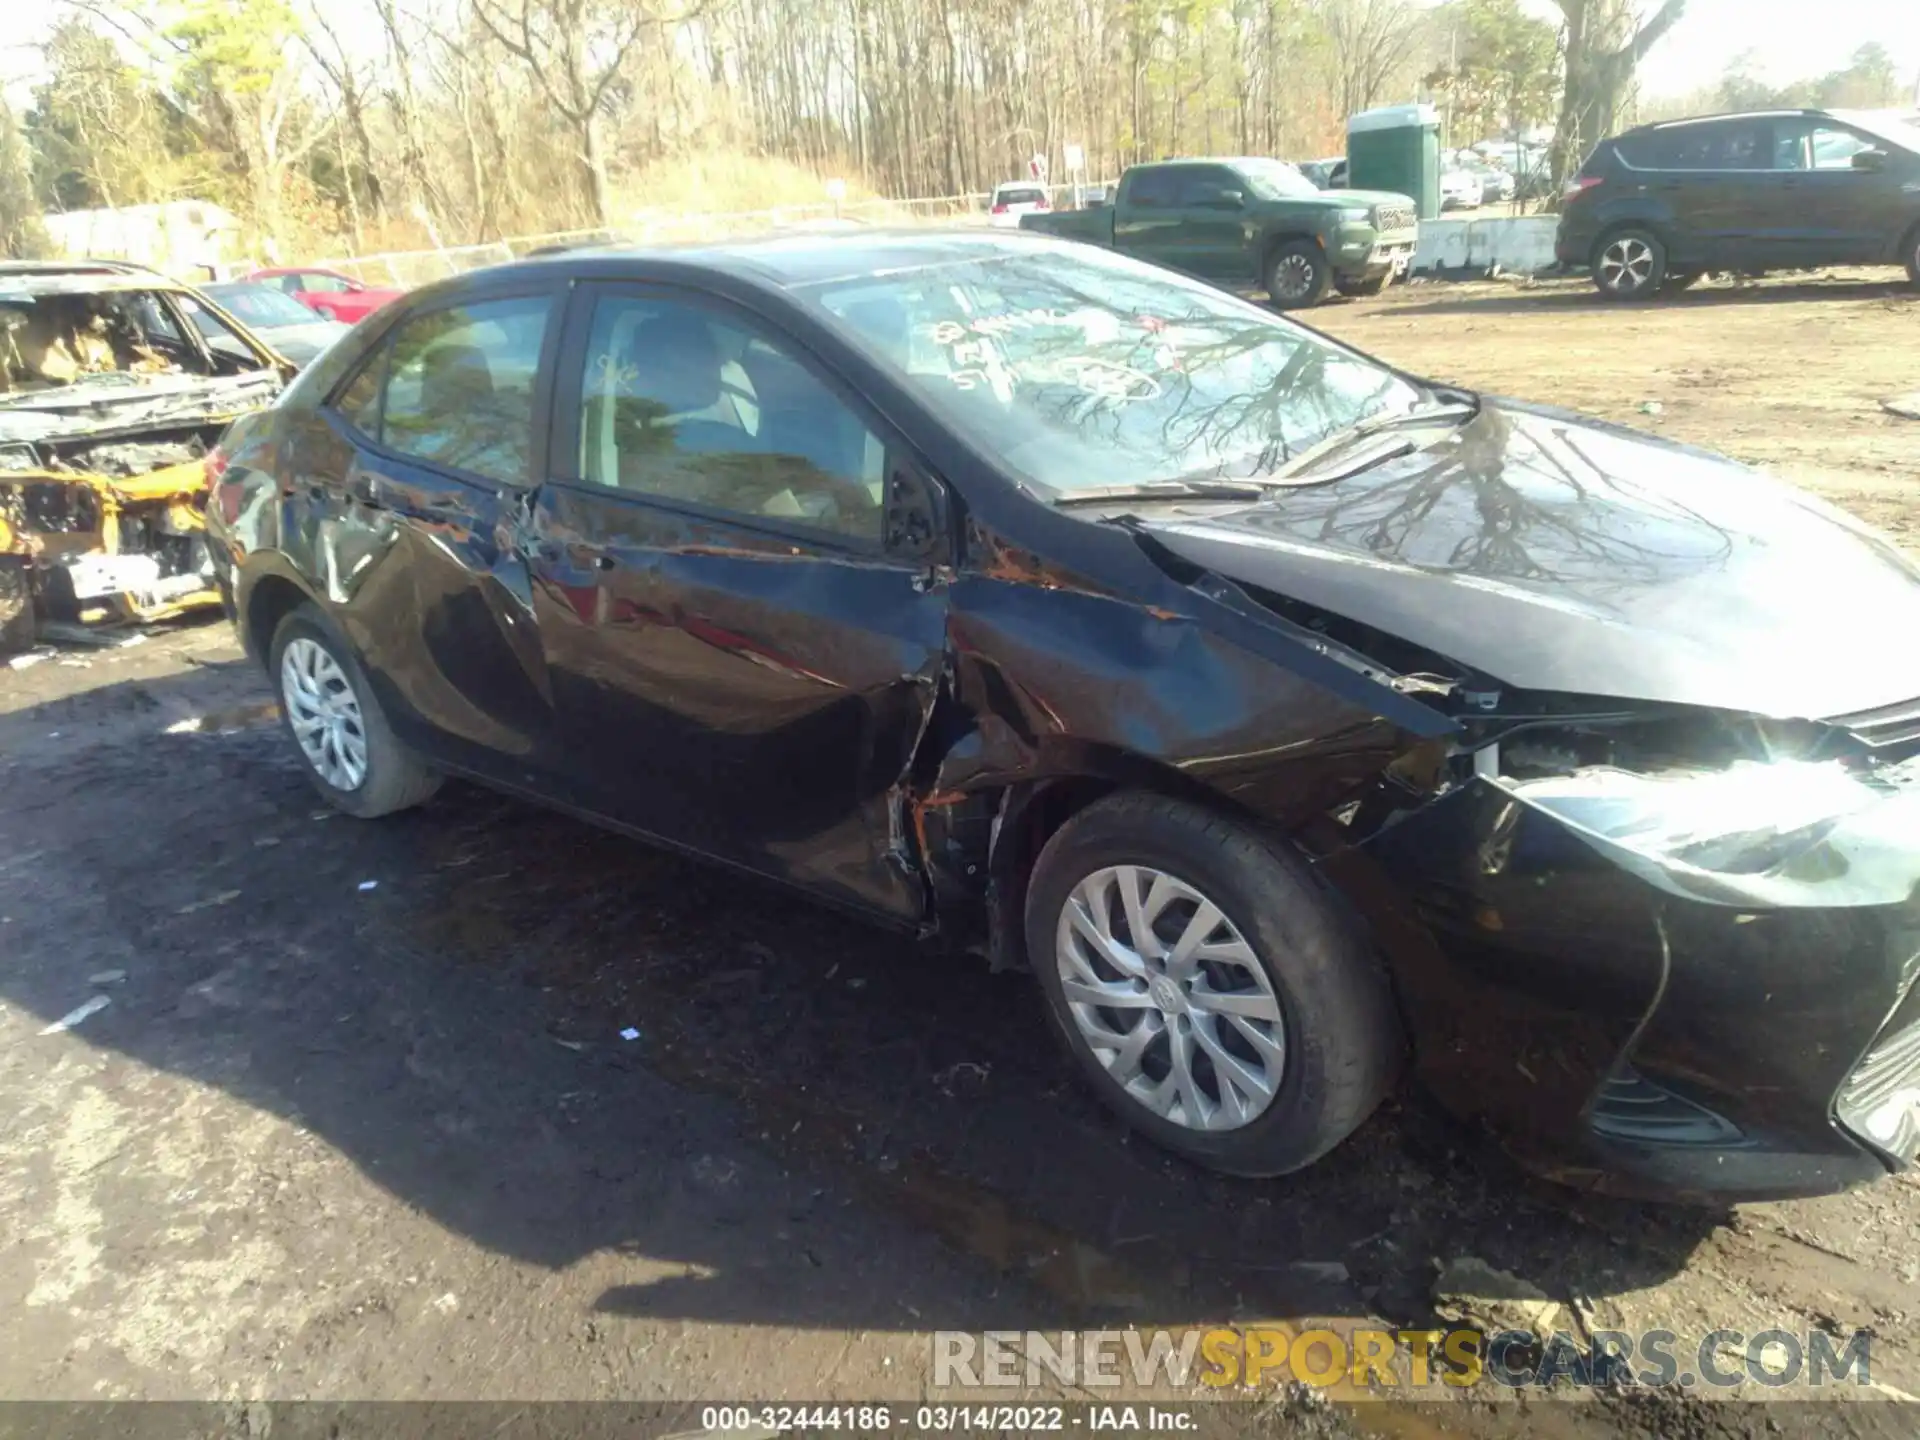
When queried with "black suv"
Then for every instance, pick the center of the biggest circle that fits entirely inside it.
(1660, 206)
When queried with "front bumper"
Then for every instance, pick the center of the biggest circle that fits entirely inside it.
(1619, 1036)
(1368, 254)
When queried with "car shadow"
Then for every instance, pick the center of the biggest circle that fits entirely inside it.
(1565, 297)
(558, 1042)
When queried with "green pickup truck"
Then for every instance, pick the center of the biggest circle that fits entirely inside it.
(1250, 223)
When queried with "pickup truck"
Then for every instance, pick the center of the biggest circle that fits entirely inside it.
(1249, 223)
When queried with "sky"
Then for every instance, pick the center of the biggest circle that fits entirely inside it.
(1792, 39)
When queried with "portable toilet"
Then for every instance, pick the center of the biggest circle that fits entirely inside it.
(1397, 148)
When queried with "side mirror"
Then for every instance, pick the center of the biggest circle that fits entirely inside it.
(1228, 200)
(1869, 159)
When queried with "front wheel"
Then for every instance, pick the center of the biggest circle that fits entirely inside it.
(1298, 275)
(1630, 265)
(1215, 995)
(351, 754)
(1360, 289)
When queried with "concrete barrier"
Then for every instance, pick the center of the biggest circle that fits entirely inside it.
(1517, 244)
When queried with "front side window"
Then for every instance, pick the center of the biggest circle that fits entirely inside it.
(454, 387)
(1812, 146)
(1085, 369)
(684, 404)
(1210, 189)
(318, 282)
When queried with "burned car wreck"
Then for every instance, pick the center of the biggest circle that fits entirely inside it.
(1289, 716)
(111, 397)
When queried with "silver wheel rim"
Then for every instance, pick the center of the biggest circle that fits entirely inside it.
(1170, 999)
(1293, 276)
(324, 713)
(1627, 264)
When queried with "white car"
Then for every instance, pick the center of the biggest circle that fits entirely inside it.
(1459, 189)
(1011, 201)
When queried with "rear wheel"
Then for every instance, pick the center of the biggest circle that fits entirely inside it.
(1913, 255)
(1215, 995)
(329, 711)
(1630, 264)
(1298, 275)
(1360, 289)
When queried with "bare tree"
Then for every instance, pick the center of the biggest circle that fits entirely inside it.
(1373, 41)
(575, 49)
(1605, 43)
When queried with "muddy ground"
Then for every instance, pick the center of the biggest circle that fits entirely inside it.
(359, 1122)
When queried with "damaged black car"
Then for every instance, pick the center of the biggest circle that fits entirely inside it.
(1291, 717)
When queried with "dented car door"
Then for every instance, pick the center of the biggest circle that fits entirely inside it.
(404, 508)
(741, 664)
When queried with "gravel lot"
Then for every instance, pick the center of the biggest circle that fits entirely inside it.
(351, 1140)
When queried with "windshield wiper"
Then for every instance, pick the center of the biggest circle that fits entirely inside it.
(1167, 490)
(1308, 460)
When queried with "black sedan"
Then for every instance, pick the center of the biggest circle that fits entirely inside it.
(1284, 713)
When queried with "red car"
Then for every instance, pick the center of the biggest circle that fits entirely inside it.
(337, 296)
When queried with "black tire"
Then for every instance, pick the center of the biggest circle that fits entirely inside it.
(1343, 1040)
(1297, 275)
(396, 778)
(16, 606)
(1912, 248)
(1629, 264)
(1362, 289)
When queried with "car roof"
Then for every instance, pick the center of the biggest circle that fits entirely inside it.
(34, 278)
(775, 262)
(1770, 114)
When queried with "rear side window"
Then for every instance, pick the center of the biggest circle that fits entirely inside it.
(1154, 189)
(454, 387)
(1723, 145)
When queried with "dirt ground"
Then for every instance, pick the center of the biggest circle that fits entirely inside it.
(358, 1120)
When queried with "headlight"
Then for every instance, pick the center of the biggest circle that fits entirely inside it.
(1789, 833)
(1355, 215)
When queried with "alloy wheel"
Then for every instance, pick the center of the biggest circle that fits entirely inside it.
(1626, 265)
(1170, 998)
(324, 713)
(1293, 277)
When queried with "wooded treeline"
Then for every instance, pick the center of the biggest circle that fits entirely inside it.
(349, 125)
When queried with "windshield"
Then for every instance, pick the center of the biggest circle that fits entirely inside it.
(1081, 369)
(1274, 179)
(69, 337)
(258, 305)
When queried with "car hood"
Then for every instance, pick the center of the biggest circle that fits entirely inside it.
(116, 403)
(1553, 552)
